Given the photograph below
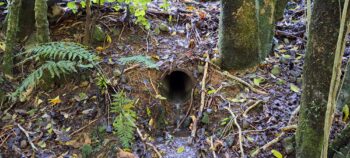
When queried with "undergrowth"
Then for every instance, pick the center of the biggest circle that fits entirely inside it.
(124, 123)
(56, 59)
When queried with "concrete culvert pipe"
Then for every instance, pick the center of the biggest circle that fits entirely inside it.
(177, 86)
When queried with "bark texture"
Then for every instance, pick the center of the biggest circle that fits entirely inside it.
(26, 18)
(11, 37)
(41, 22)
(317, 73)
(88, 21)
(246, 31)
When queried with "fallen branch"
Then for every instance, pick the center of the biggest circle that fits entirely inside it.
(240, 137)
(277, 139)
(28, 137)
(203, 92)
(80, 129)
(250, 108)
(225, 73)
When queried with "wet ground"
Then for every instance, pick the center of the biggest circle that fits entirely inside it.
(177, 44)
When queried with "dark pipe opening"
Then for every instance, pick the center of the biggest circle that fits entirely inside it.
(177, 86)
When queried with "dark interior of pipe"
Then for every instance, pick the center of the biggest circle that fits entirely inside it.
(177, 86)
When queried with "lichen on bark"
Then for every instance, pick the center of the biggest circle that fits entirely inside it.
(317, 73)
(246, 31)
(41, 22)
(11, 37)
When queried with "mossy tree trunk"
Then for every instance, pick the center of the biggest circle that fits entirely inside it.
(11, 37)
(317, 73)
(41, 22)
(26, 19)
(246, 31)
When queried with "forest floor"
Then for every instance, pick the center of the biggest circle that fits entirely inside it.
(262, 98)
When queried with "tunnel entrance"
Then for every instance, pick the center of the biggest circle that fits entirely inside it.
(177, 86)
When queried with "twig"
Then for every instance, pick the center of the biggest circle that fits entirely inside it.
(289, 127)
(28, 137)
(155, 149)
(277, 139)
(131, 67)
(80, 129)
(251, 107)
(147, 143)
(154, 88)
(5, 111)
(212, 147)
(240, 137)
(203, 92)
(225, 73)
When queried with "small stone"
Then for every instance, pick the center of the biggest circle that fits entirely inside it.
(23, 144)
(246, 124)
(164, 28)
(98, 34)
(117, 72)
(283, 60)
(276, 70)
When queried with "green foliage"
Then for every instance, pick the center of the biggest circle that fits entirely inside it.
(124, 123)
(86, 150)
(57, 59)
(137, 7)
(59, 51)
(146, 60)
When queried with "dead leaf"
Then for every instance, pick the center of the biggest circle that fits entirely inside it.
(125, 154)
(55, 101)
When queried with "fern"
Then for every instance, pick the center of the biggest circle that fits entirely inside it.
(59, 51)
(146, 60)
(58, 58)
(124, 123)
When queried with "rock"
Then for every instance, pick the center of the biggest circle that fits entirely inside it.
(288, 144)
(98, 34)
(164, 27)
(23, 144)
(200, 69)
(246, 124)
(116, 72)
(276, 70)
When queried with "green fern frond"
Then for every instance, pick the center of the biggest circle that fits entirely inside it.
(124, 123)
(59, 51)
(57, 58)
(56, 69)
(145, 60)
